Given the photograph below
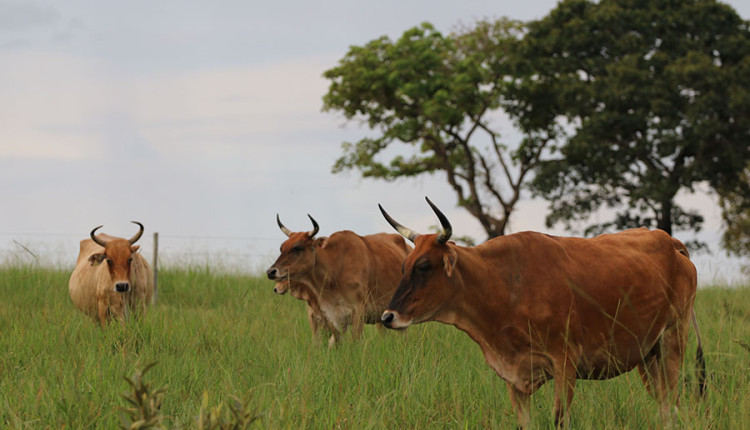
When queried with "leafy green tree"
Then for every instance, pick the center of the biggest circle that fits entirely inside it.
(655, 98)
(434, 98)
(735, 205)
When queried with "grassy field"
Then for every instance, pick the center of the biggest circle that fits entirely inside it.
(214, 336)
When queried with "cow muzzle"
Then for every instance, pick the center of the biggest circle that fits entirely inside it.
(272, 273)
(394, 320)
(122, 287)
(281, 287)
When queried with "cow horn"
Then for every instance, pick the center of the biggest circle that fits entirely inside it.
(447, 229)
(98, 241)
(284, 230)
(404, 231)
(315, 227)
(138, 235)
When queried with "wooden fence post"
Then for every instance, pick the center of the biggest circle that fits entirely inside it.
(156, 265)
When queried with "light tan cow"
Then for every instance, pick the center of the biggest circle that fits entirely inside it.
(111, 279)
(346, 279)
(543, 307)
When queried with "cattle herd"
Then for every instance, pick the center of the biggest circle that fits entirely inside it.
(540, 307)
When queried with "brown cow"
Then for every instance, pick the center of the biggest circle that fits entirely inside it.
(543, 307)
(106, 291)
(346, 279)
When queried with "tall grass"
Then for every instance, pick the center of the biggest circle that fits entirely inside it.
(219, 338)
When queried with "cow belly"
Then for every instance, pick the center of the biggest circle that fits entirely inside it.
(612, 360)
(526, 372)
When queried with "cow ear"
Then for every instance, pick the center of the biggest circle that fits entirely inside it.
(321, 242)
(449, 262)
(135, 248)
(97, 259)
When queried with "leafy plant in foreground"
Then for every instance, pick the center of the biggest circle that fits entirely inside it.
(145, 401)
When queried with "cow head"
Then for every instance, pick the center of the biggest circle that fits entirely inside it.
(118, 253)
(428, 277)
(297, 256)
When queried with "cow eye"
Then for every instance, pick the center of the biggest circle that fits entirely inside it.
(423, 267)
(109, 261)
(130, 260)
(297, 249)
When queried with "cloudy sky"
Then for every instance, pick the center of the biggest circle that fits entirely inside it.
(203, 121)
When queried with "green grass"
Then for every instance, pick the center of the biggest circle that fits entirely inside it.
(214, 336)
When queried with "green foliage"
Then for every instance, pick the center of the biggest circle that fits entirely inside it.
(436, 95)
(229, 339)
(239, 415)
(735, 205)
(655, 95)
(144, 410)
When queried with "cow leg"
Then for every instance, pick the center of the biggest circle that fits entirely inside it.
(334, 339)
(103, 312)
(661, 370)
(565, 382)
(520, 402)
(313, 318)
(335, 335)
(358, 324)
(675, 343)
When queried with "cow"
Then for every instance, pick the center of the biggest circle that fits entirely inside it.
(113, 290)
(346, 279)
(543, 307)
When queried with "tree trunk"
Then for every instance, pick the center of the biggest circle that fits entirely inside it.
(665, 218)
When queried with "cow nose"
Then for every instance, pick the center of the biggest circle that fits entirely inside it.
(387, 318)
(122, 287)
(271, 273)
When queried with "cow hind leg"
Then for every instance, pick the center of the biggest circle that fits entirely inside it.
(660, 371)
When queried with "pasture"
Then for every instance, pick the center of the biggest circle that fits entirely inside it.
(215, 336)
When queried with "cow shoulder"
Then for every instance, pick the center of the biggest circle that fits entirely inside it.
(339, 243)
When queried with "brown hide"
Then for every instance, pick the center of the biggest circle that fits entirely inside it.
(98, 269)
(544, 307)
(346, 279)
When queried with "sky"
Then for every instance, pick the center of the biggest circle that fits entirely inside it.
(203, 120)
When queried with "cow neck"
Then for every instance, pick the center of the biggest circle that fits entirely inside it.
(484, 306)
(321, 270)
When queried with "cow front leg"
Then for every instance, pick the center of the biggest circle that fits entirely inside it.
(520, 401)
(314, 319)
(358, 323)
(334, 339)
(565, 382)
(103, 313)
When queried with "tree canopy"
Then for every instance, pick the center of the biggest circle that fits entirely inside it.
(437, 96)
(735, 205)
(655, 95)
(621, 104)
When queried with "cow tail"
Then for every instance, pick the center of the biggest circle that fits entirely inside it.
(700, 360)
